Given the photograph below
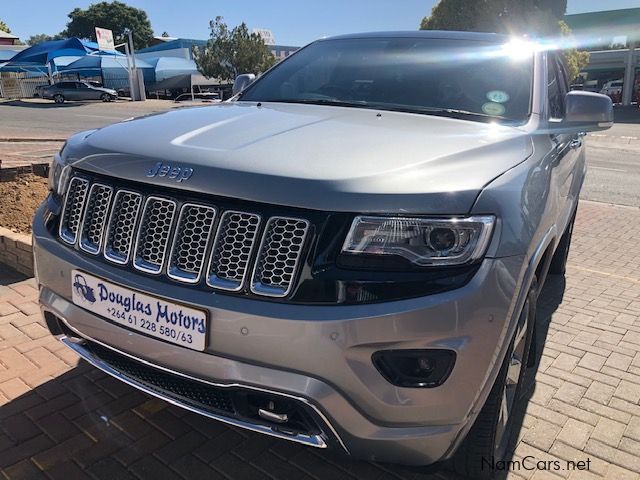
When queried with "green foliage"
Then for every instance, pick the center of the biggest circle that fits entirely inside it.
(43, 37)
(536, 18)
(4, 27)
(229, 53)
(574, 60)
(115, 16)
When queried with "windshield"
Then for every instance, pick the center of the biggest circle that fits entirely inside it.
(476, 80)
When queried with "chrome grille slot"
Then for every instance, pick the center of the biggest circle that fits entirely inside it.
(232, 249)
(95, 217)
(279, 255)
(121, 226)
(71, 217)
(153, 234)
(190, 242)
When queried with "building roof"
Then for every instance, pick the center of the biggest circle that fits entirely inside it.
(4, 34)
(621, 20)
(607, 27)
(174, 44)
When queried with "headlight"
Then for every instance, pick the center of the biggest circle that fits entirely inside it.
(422, 241)
(59, 175)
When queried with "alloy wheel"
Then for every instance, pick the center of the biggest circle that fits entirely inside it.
(513, 377)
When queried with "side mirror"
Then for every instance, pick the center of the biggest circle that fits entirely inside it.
(242, 82)
(587, 112)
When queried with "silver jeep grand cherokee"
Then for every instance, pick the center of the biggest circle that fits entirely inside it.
(347, 254)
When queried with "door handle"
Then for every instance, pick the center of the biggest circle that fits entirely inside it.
(577, 143)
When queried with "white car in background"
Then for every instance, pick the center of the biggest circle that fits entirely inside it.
(612, 88)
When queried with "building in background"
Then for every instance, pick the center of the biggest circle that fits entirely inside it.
(8, 39)
(612, 37)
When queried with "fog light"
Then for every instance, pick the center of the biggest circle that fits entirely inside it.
(415, 368)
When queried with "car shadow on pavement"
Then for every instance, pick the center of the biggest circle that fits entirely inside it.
(84, 423)
(9, 275)
(549, 300)
(44, 104)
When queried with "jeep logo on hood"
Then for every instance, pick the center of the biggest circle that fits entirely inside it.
(179, 174)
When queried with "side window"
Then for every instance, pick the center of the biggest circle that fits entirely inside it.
(555, 89)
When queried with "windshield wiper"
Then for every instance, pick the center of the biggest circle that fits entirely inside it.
(335, 102)
(443, 112)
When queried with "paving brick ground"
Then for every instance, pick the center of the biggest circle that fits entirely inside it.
(20, 154)
(64, 420)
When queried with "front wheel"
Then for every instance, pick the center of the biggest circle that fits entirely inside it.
(58, 98)
(489, 438)
(105, 97)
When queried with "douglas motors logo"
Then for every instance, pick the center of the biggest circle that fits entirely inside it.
(83, 289)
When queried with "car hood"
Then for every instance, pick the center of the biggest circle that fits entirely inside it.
(318, 157)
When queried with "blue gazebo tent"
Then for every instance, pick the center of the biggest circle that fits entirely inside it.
(41, 57)
(102, 62)
(167, 67)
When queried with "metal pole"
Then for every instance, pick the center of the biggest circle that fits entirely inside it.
(131, 49)
(629, 74)
(140, 95)
(131, 85)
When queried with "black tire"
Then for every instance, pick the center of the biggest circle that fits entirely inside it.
(58, 98)
(490, 437)
(105, 97)
(558, 265)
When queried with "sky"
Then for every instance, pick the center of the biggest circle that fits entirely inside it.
(294, 23)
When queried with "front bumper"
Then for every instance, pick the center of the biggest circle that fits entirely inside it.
(321, 354)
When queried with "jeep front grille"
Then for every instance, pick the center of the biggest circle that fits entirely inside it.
(72, 211)
(232, 250)
(153, 234)
(122, 224)
(190, 242)
(95, 218)
(181, 239)
(279, 255)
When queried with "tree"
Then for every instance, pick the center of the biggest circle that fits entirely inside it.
(165, 34)
(115, 16)
(4, 27)
(229, 53)
(536, 18)
(43, 37)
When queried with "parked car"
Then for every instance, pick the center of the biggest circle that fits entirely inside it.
(61, 91)
(613, 89)
(205, 97)
(37, 91)
(348, 254)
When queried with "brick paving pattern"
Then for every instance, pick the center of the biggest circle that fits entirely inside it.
(22, 154)
(64, 420)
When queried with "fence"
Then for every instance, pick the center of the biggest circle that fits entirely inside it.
(20, 85)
